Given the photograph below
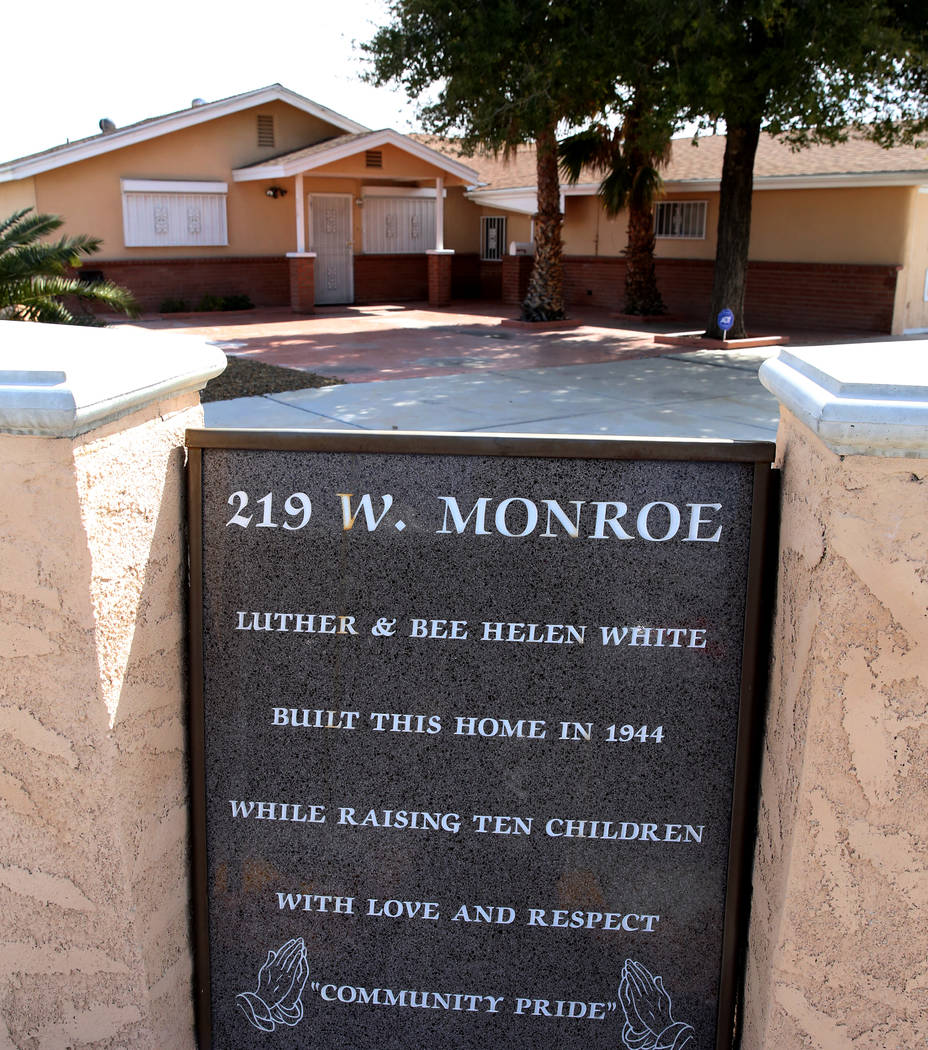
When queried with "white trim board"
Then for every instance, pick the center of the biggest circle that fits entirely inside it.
(400, 191)
(170, 186)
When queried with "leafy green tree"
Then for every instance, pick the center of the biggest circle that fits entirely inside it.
(501, 73)
(35, 275)
(628, 157)
(807, 70)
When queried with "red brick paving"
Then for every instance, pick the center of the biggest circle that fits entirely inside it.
(370, 343)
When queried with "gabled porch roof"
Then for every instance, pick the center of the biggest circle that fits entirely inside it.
(311, 158)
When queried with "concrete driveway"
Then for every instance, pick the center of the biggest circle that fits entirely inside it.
(461, 368)
(703, 394)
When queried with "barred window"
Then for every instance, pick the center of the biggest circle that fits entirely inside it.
(680, 220)
(157, 213)
(403, 225)
(492, 237)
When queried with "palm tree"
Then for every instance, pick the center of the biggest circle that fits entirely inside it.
(35, 278)
(629, 157)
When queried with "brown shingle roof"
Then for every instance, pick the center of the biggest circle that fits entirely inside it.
(703, 160)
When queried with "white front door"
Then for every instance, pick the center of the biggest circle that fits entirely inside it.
(330, 230)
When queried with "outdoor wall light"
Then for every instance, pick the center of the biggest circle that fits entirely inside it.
(275, 192)
(359, 201)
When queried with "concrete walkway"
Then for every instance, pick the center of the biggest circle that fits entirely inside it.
(703, 394)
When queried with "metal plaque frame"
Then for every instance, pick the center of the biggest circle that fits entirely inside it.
(753, 657)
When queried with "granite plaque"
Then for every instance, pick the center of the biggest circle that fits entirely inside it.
(470, 731)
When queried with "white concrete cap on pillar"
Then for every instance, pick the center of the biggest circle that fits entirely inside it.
(63, 380)
(861, 399)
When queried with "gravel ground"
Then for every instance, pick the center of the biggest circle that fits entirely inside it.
(246, 378)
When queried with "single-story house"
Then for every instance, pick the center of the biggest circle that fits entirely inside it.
(272, 195)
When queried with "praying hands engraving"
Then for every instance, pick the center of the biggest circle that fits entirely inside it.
(278, 998)
(649, 1023)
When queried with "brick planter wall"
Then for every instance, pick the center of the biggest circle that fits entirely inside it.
(439, 278)
(822, 295)
(516, 271)
(801, 295)
(302, 284)
(266, 279)
(390, 278)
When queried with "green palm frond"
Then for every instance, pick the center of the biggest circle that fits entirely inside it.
(615, 189)
(646, 186)
(593, 148)
(22, 228)
(35, 284)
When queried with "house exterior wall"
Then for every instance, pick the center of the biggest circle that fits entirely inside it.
(912, 309)
(265, 279)
(462, 227)
(397, 163)
(864, 225)
(802, 295)
(16, 195)
(861, 225)
(89, 196)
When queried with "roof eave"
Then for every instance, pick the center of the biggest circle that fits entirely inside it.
(840, 180)
(107, 143)
(285, 168)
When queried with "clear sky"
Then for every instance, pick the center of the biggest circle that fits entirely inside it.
(65, 64)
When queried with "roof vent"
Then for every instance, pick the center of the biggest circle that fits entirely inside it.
(106, 125)
(194, 102)
(373, 158)
(265, 129)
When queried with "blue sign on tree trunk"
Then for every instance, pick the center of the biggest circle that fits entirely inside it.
(726, 319)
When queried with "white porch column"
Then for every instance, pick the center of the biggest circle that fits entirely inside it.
(439, 213)
(300, 214)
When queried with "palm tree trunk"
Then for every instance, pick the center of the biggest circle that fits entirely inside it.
(544, 300)
(641, 292)
(734, 230)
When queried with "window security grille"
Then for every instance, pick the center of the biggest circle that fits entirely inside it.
(398, 225)
(159, 219)
(680, 220)
(265, 130)
(373, 158)
(492, 237)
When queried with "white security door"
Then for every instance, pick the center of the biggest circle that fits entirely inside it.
(332, 243)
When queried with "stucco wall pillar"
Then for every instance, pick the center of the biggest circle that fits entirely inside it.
(440, 276)
(302, 282)
(93, 840)
(838, 944)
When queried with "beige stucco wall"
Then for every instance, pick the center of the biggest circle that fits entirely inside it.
(838, 948)
(462, 224)
(589, 231)
(843, 226)
(93, 789)
(89, 196)
(396, 163)
(912, 307)
(16, 195)
(867, 225)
